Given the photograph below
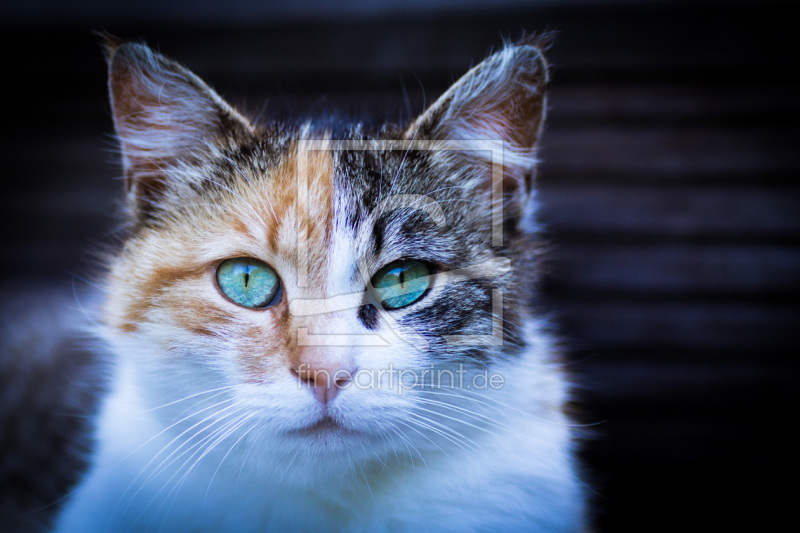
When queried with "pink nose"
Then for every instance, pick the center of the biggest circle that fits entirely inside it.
(325, 378)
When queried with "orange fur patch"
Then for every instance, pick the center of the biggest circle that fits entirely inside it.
(302, 198)
(300, 193)
(288, 215)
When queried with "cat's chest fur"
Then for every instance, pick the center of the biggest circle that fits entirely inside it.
(328, 334)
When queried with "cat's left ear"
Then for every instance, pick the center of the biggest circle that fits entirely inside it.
(165, 117)
(500, 101)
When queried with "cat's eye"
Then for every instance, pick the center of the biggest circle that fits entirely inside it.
(401, 283)
(248, 282)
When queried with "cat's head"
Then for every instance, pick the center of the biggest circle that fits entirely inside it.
(337, 294)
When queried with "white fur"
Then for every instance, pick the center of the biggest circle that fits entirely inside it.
(515, 474)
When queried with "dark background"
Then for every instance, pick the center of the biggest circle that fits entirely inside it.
(669, 188)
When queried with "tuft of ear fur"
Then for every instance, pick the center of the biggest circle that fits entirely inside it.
(498, 104)
(164, 116)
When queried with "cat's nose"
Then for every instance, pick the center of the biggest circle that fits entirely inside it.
(324, 375)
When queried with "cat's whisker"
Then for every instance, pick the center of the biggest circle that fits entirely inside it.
(173, 492)
(410, 426)
(204, 446)
(289, 465)
(92, 320)
(166, 429)
(244, 434)
(246, 458)
(444, 431)
(491, 421)
(408, 443)
(389, 441)
(350, 463)
(476, 397)
(501, 406)
(159, 468)
(374, 452)
(169, 460)
(454, 419)
(364, 476)
(190, 397)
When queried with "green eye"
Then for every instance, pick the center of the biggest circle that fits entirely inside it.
(401, 283)
(248, 282)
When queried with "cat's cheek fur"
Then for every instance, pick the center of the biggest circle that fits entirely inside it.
(270, 460)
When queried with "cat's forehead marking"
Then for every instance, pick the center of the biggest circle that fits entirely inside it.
(302, 198)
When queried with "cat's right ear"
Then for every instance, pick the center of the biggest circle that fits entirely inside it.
(165, 117)
(499, 103)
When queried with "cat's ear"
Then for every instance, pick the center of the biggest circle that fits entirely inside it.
(164, 116)
(498, 103)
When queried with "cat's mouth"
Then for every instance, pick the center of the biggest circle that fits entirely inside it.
(324, 426)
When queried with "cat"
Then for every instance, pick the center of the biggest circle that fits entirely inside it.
(313, 331)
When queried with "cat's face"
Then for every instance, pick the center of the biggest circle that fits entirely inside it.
(338, 295)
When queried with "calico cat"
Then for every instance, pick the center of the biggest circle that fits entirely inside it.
(319, 332)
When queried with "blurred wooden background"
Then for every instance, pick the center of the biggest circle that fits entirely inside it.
(669, 188)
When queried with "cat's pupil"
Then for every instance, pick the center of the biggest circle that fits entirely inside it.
(246, 278)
